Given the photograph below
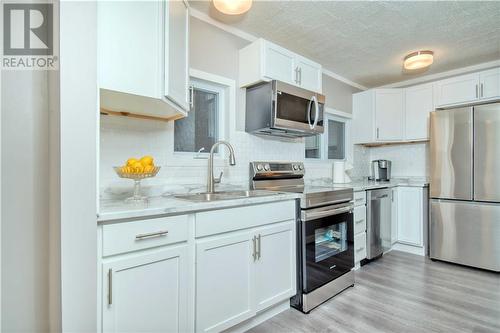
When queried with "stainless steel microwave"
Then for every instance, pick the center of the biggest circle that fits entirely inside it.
(280, 109)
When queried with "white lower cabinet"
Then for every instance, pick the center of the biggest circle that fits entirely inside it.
(241, 273)
(410, 216)
(359, 217)
(224, 281)
(394, 215)
(275, 276)
(146, 292)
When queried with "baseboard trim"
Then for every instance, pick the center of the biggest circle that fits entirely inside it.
(260, 317)
(418, 250)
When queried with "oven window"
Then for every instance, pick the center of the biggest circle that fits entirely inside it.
(330, 241)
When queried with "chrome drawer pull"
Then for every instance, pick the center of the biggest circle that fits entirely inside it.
(359, 221)
(151, 235)
(110, 286)
(359, 249)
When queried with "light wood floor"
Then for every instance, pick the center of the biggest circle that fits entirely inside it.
(404, 293)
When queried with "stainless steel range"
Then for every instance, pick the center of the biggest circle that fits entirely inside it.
(325, 239)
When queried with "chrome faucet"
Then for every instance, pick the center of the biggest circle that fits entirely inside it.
(211, 181)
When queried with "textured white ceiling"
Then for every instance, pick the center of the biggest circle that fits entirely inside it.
(367, 41)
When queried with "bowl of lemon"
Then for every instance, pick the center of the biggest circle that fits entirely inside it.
(137, 169)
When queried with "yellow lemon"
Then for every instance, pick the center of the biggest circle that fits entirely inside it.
(148, 168)
(138, 168)
(132, 161)
(146, 160)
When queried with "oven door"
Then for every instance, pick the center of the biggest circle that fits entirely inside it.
(327, 244)
(298, 109)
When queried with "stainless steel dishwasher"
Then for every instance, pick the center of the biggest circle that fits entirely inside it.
(378, 222)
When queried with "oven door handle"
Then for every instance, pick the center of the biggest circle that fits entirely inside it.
(307, 216)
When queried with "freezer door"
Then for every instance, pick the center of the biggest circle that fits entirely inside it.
(487, 152)
(451, 154)
(466, 233)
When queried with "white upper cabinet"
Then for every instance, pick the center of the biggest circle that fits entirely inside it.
(265, 61)
(489, 84)
(389, 114)
(378, 116)
(418, 106)
(309, 74)
(143, 57)
(469, 88)
(460, 89)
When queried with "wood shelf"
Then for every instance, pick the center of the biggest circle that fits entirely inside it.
(394, 143)
(106, 112)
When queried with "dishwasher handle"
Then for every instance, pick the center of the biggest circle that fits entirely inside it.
(380, 197)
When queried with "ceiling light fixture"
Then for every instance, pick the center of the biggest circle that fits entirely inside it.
(419, 59)
(233, 7)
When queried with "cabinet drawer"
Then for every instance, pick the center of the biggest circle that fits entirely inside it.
(224, 220)
(360, 247)
(143, 234)
(359, 198)
(359, 219)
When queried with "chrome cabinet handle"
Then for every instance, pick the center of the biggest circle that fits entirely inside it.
(300, 75)
(297, 75)
(359, 221)
(477, 91)
(258, 246)
(481, 91)
(378, 132)
(254, 254)
(359, 249)
(151, 235)
(110, 286)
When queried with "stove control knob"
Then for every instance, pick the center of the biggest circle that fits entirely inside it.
(301, 167)
(267, 167)
(295, 167)
(259, 167)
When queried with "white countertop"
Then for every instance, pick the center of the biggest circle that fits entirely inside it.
(118, 209)
(364, 185)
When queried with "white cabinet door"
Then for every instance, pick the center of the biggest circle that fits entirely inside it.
(489, 83)
(418, 105)
(389, 114)
(176, 51)
(410, 215)
(275, 264)
(224, 281)
(363, 115)
(279, 63)
(309, 75)
(359, 247)
(394, 215)
(456, 90)
(130, 58)
(146, 293)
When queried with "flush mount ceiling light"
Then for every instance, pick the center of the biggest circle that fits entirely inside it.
(232, 7)
(418, 60)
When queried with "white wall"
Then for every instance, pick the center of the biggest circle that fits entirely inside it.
(214, 51)
(408, 160)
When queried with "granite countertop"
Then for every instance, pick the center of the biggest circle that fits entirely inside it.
(117, 209)
(365, 184)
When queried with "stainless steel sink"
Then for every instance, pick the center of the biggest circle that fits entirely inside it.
(224, 195)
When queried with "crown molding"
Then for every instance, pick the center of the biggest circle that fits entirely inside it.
(443, 75)
(251, 38)
(343, 79)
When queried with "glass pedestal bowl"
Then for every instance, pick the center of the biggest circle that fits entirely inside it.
(137, 198)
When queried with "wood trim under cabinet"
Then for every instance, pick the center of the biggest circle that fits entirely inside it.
(106, 112)
(392, 143)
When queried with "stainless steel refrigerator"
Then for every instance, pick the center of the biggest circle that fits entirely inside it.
(465, 186)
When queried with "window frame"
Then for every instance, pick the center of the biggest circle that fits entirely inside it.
(339, 116)
(202, 83)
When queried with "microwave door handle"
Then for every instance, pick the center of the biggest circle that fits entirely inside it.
(316, 110)
(309, 113)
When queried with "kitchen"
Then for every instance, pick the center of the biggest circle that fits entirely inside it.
(224, 175)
